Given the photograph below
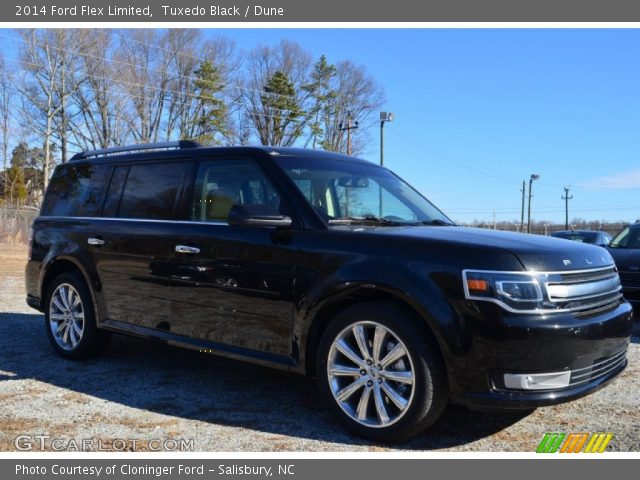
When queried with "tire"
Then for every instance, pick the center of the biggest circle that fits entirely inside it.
(409, 406)
(80, 338)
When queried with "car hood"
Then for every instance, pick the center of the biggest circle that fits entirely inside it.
(627, 259)
(535, 252)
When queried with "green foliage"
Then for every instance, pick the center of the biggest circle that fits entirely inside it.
(324, 95)
(210, 119)
(16, 190)
(281, 109)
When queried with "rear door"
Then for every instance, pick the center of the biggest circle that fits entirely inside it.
(233, 285)
(132, 242)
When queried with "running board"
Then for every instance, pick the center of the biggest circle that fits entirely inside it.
(207, 346)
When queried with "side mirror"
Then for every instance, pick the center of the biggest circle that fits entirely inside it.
(257, 216)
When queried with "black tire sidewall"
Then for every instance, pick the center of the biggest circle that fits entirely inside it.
(92, 339)
(430, 389)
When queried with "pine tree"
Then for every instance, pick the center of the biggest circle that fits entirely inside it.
(281, 112)
(210, 118)
(323, 95)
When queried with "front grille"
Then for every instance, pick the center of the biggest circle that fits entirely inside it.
(630, 279)
(600, 368)
(586, 291)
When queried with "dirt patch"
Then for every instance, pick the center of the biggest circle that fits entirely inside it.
(13, 259)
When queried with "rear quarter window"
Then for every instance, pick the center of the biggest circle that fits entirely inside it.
(75, 191)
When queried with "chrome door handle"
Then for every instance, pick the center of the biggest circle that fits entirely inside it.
(95, 241)
(187, 249)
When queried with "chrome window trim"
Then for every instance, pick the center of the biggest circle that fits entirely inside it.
(149, 220)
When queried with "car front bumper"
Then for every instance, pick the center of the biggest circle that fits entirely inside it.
(591, 349)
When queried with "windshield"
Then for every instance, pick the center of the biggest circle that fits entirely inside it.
(627, 238)
(585, 237)
(352, 192)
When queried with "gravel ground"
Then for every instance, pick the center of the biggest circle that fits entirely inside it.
(141, 390)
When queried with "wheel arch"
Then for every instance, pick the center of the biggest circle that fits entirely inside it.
(324, 313)
(59, 266)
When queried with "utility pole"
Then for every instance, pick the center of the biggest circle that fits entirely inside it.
(384, 117)
(566, 199)
(524, 190)
(348, 129)
(533, 177)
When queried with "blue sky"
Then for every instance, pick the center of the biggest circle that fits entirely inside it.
(479, 110)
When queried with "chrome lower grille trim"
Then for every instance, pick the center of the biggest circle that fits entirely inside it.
(598, 369)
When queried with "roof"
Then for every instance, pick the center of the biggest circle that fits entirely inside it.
(143, 151)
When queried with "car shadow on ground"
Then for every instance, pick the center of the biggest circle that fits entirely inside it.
(190, 385)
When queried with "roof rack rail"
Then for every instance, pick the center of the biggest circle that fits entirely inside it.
(182, 144)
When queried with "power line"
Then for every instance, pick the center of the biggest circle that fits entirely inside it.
(490, 178)
(112, 60)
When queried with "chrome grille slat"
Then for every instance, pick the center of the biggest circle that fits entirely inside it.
(602, 374)
(612, 357)
(598, 369)
(584, 291)
(605, 276)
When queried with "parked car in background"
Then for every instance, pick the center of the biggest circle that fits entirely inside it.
(625, 250)
(324, 265)
(594, 237)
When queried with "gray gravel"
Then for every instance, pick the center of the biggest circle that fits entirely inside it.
(141, 390)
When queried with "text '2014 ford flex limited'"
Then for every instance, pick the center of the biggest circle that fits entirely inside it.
(324, 265)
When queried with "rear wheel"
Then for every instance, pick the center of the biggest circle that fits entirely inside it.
(70, 318)
(381, 373)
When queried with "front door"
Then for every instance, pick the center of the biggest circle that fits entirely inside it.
(233, 285)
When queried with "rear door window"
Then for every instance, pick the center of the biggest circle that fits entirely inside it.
(114, 193)
(151, 190)
(75, 191)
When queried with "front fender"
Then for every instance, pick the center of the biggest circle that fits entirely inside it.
(413, 284)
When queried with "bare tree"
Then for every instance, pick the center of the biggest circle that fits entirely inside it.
(143, 71)
(44, 57)
(5, 116)
(99, 102)
(357, 92)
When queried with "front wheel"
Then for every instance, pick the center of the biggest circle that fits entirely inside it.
(381, 372)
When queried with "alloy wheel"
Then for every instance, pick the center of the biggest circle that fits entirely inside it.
(66, 316)
(371, 374)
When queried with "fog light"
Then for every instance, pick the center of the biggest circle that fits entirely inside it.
(537, 381)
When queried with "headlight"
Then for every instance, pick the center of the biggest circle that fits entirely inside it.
(514, 291)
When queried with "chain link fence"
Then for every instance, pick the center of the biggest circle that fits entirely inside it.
(15, 223)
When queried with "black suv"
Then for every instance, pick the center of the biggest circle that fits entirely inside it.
(625, 249)
(324, 265)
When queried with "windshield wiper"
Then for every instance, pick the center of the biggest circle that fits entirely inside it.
(436, 222)
(363, 219)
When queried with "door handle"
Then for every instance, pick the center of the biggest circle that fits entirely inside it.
(95, 241)
(187, 249)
